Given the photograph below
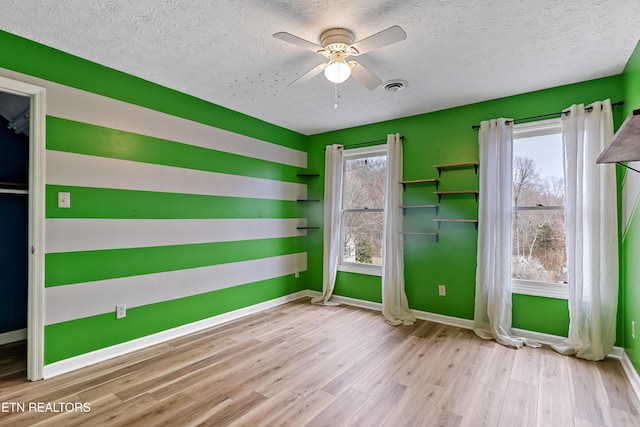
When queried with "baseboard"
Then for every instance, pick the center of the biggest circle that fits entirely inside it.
(13, 336)
(631, 372)
(617, 353)
(440, 318)
(422, 315)
(540, 337)
(81, 361)
(375, 306)
(445, 320)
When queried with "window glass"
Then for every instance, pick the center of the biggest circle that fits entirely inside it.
(539, 251)
(538, 246)
(364, 180)
(363, 237)
(363, 206)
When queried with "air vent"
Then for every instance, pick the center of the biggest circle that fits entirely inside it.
(394, 85)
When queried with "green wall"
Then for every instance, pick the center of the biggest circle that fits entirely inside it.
(630, 252)
(54, 65)
(438, 138)
(125, 176)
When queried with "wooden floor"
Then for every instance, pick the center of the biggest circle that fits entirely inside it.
(305, 365)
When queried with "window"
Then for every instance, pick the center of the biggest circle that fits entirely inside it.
(539, 257)
(363, 209)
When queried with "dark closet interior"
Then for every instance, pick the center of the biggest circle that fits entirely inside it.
(14, 174)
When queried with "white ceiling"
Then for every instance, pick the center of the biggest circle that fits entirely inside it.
(457, 51)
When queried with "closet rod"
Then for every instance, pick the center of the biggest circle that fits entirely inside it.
(364, 144)
(9, 191)
(550, 115)
(14, 185)
(13, 188)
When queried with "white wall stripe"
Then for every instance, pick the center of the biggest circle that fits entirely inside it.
(74, 104)
(88, 299)
(70, 235)
(92, 171)
(630, 196)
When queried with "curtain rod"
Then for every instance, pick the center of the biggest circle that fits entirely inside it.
(364, 144)
(550, 115)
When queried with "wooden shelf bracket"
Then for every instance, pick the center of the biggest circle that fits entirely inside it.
(456, 166)
(444, 193)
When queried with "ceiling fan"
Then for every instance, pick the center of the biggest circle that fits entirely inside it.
(336, 44)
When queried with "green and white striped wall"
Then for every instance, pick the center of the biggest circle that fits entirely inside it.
(178, 219)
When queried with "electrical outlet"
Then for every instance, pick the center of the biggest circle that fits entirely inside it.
(121, 311)
(633, 329)
(442, 290)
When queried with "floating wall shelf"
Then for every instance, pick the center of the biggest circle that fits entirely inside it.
(625, 144)
(420, 233)
(446, 193)
(307, 175)
(457, 166)
(420, 181)
(436, 181)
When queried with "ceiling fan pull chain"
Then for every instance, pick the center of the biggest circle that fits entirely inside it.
(335, 97)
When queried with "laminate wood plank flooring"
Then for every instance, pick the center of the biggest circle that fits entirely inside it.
(305, 365)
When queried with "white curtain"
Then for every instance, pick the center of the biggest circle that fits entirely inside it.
(395, 307)
(592, 232)
(333, 175)
(492, 314)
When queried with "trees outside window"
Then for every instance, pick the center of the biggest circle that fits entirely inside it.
(363, 206)
(539, 250)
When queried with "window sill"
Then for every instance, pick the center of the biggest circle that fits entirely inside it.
(539, 289)
(371, 270)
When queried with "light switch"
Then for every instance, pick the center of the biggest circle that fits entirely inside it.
(64, 200)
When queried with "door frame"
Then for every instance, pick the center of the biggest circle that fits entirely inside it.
(37, 149)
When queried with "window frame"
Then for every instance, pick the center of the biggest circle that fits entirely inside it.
(352, 154)
(532, 287)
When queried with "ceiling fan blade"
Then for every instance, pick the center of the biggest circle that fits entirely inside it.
(305, 44)
(383, 38)
(364, 76)
(308, 75)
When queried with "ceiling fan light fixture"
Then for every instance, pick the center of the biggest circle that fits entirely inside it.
(338, 70)
(336, 44)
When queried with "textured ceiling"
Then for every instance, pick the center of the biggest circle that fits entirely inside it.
(457, 51)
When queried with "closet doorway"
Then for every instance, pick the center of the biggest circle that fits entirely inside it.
(22, 148)
(14, 214)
